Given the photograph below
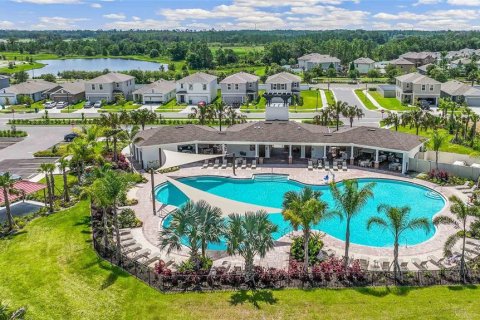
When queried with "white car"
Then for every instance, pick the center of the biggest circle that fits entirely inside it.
(61, 105)
(98, 104)
(50, 104)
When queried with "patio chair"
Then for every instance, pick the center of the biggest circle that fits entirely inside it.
(403, 265)
(205, 164)
(216, 164)
(133, 248)
(472, 251)
(310, 165)
(474, 245)
(141, 254)
(466, 185)
(335, 166)
(320, 164)
(385, 264)
(224, 163)
(244, 163)
(151, 259)
(126, 237)
(327, 166)
(458, 255)
(226, 265)
(125, 231)
(237, 269)
(364, 264)
(421, 265)
(128, 243)
(254, 164)
(344, 166)
(436, 261)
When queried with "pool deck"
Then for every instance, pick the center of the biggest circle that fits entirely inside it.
(278, 257)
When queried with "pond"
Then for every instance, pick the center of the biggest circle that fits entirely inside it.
(56, 66)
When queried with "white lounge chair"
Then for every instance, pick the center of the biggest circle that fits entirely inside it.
(205, 164)
(216, 164)
(310, 165)
(438, 262)
(254, 164)
(224, 163)
(335, 166)
(344, 166)
(421, 265)
(141, 254)
(327, 166)
(244, 163)
(385, 264)
(151, 259)
(133, 248)
(403, 265)
(320, 164)
(363, 264)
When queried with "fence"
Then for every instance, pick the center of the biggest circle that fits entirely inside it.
(277, 279)
(419, 165)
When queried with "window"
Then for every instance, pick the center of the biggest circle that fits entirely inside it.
(93, 87)
(118, 85)
(236, 86)
(283, 86)
(101, 86)
(229, 86)
(423, 87)
(190, 87)
(204, 87)
(274, 86)
(181, 85)
(250, 84)
(431, 87)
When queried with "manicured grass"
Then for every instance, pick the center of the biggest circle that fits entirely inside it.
(448, 147)
(51, 269)
(170, 106)
(258, 107)
(366, 102)
(71, 180)
(390, 103)
(330, 97)
(21, 108)
(73, 107)
(130, 105)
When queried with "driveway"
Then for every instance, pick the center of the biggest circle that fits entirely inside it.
(25, 168)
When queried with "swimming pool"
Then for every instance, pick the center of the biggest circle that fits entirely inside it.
(424, 202)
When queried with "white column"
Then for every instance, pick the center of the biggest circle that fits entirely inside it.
(224, 148)
(196, 148)
(290, 151)
(352, 157)
(302, 152)
(404, 163)
(267, 151)
(325, 152)
(256, 151)
(377, 164)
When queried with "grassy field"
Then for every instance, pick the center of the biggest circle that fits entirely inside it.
(366, 102)
(389, 103)
(21, 108)
(51, 269)
(170, 106)
(129, 105)
(73, 107)
(330, 97)
(448, 147)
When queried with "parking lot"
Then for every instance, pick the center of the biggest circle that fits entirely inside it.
(26, 168)
(7, 142)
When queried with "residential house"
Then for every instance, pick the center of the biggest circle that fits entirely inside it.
(424, 69)
(414, 87)
(35, 89)
(363, 65)
(106, 86)
(283, 83)
(239, 88)
(403, 65)
(71, 92)
(462, 62)
(4, 81)
(419, 58)
(160, 91)
(197, 87)
(460, 92)
(312, 60)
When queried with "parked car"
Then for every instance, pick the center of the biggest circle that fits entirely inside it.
(50, 104)
(424, 105)
(61, 105)
(98, 104)
(69, 137)
(87, 105)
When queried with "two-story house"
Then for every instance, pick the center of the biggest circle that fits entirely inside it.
(196, 88)
(403, 65)
(239, 88)
(312, 60)
(106, 86)
(363, 65)
(282, 83)
(419, 58)
(414, 87)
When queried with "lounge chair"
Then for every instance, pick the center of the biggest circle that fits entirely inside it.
(459, 255)
(472, 251)
(224, 163)
(141, 254)
(335, 166)
(385, 264)
(327, 166)
(421, 265)
(125, 231)
(125, 237)
(205, 164)
(133, 248)
(128, 243)
(474, 245)
(244, 163)
(404, 266)
(216, 164)
(237, 269)
(319, 164)
(363, 264)
(466, 185)
(344, 166)
(151, 259)
(310, 165)
(436, 261)
(254, 164)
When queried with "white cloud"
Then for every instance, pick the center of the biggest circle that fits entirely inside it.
(49, 1)
(96, 5)
(147, 24)
(57, 23)
(115, 16)
(472, 3)
(426, 2)
(5, 24)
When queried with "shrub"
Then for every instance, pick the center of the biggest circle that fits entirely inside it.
(315, 244)
(127, 219)
(195, 264)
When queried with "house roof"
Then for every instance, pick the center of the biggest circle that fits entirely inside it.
(24, 187)
(160, 86)
(401, 61)
(111, 77)
(30, 87)
(319, 58)
(199, 77)
(283, 77)
(416, 55)
(424, 67)
(280, 132)
(72, 87)
(364, 61)
(240, 77)
(416, 78)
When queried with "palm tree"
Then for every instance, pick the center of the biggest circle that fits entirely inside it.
(338, 108)
(183, 230)
(250, 235)
(397, 221)
(46, 169)
(202, 113)
(97, 193)
(142, 117)
(323, 117)
(461, 212)
(219, 110)
(112, 123)
(7, 183)
(63, 164)
(349, 202)
(438, 140)
(467, 113)
(473, 130)
(392, 119)
(304, 209)
(82, 150)
(352, 112)
(414, 118)
(129, 135)
(211, 224)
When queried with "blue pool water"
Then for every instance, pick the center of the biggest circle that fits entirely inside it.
(424, 202)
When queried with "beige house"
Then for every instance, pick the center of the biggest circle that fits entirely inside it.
(239, 88)
(312, 60)
(419, 58)
(363, 65)
(35, 89)
(404, 65)
(414, 87)
(196, 88)
(282, 83)
(106, 86)
(160, 91)
(460, 92)
(71, 92)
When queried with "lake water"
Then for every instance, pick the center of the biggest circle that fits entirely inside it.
(56, 66)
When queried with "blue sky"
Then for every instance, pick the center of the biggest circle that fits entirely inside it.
(240, 14)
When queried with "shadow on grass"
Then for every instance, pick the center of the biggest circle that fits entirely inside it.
(253, 297)
(462, 287)
(112, 277)
(12, 235)
(85, 221)
(384, 291)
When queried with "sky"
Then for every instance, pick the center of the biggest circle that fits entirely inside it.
(240, 14)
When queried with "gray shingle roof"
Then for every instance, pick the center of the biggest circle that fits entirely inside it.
(319, 58)
(199, 77)
(417, 78)
(364, 61)
(283, 77)
(160, 86)
(281, 132)
(30, 87)
(416, 55)
(240, 77)
(111, 77)
(72, 87)
(401, 61)
(457, 88)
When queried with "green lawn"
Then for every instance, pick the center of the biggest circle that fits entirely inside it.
(71, 180)
(330, 97)
(73, 107)
(21, 108)
(366, 102)
(448, 147)
(171, 106)
(129, 105)
(390, 103)
(51, 269)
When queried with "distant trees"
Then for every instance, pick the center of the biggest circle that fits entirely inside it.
(20, 76)
(199, 56)
(154, 53)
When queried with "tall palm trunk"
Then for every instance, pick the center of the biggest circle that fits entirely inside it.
(347, 243)
(306, 239)
(52, 184)
(220, 120)
(66, 196)
(204, 248)
(462, 260)
(351, 122)
(396, 265)
(8, 212)
(115, 157)
(117, 232)
(105, 228)
(49, 192)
